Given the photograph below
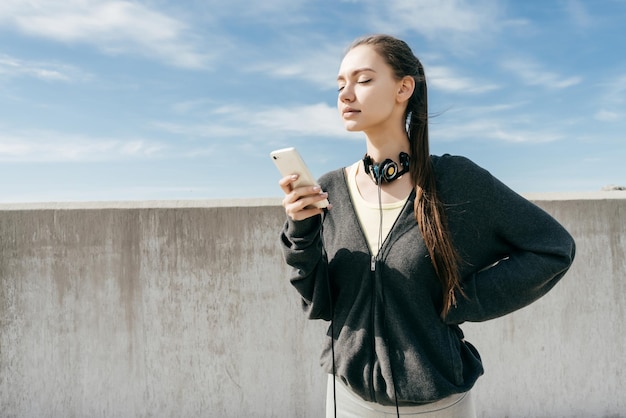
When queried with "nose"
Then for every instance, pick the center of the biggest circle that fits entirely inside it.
(346, 94)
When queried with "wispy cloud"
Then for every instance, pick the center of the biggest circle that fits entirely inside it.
(532, 74)
(267, 12)
(611, 100)
(309, 120)
(15, 67)
(607, 116)
(216, 130)
(616, 91)
(236, 121)
(316, 61)
(51, 146)
(444, 78)
(578, 13)
(493, 129)
(114, 26)
(447, 21)
(432, 17)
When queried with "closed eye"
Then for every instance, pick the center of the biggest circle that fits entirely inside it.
(358, 82)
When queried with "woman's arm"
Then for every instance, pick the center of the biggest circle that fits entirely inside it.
(531, 250)
(302, 249)
(301, 241)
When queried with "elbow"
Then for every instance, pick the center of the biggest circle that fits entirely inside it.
(563, 251)
(570, 252)
(565, 261)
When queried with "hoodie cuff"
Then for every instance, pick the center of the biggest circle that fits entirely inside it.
(303, 228)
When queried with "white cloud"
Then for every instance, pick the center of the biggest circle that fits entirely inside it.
(532, 74)
(578, 13)
(315, 120)
(431, 17)
(15, 67)
(235, 121)
(114, 26)
(189, 106)
(444, 78)
(51, 146)
(607, 116)
(320, 69)
(616, 91)
(313, 60)
(611, 100)
(447, 21)
(219, 130)
(492, 129)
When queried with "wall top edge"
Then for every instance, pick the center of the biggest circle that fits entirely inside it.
(143, 204)
(256, 202)
(599, 195)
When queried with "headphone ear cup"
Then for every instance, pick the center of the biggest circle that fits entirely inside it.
(367, 164)
(389, 170)
(373, 170)
(404, 160)
(386, 171)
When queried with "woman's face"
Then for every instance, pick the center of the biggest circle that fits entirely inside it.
(367, 98)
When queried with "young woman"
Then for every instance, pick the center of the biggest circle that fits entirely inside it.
(412, 246)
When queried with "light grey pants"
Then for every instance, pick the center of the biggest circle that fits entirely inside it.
(350, 405)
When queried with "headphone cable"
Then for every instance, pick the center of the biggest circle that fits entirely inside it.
(332, 317)
(382, 296)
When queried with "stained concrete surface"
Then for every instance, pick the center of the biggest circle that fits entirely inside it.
(181, 309)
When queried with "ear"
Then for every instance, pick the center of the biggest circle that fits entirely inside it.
(406, 86)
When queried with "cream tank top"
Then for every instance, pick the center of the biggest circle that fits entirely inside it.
(369, 213)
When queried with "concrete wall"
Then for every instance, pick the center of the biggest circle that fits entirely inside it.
(181, 309)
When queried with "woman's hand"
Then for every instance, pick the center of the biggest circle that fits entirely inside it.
(298, 202)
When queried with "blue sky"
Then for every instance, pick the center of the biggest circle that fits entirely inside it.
(163, 99)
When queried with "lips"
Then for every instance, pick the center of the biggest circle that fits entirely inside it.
(348, 111)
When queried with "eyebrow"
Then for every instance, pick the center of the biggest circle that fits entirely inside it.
(355, 72)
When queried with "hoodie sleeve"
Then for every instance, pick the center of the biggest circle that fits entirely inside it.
(301, 243)
(517, 251)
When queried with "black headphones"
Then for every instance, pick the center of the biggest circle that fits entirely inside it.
(387, 171)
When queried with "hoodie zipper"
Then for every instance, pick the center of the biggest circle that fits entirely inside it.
(373, 266)
(372, 327)
(373, 262)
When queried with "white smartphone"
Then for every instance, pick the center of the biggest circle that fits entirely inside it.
(288, 162)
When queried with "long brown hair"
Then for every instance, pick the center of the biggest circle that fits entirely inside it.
(429, 210)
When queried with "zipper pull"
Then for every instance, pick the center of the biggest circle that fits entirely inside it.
(373, 264)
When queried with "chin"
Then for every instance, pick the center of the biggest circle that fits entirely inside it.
(352, 128)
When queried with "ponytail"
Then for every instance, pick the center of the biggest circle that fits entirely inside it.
(429, 210)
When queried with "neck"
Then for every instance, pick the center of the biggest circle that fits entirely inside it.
(387, 148)
(387, 143)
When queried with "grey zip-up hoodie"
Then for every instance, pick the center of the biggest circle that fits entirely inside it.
(386, 312)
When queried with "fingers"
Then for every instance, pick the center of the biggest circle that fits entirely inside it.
(285, 183)
(299, 202)
(303, 208)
